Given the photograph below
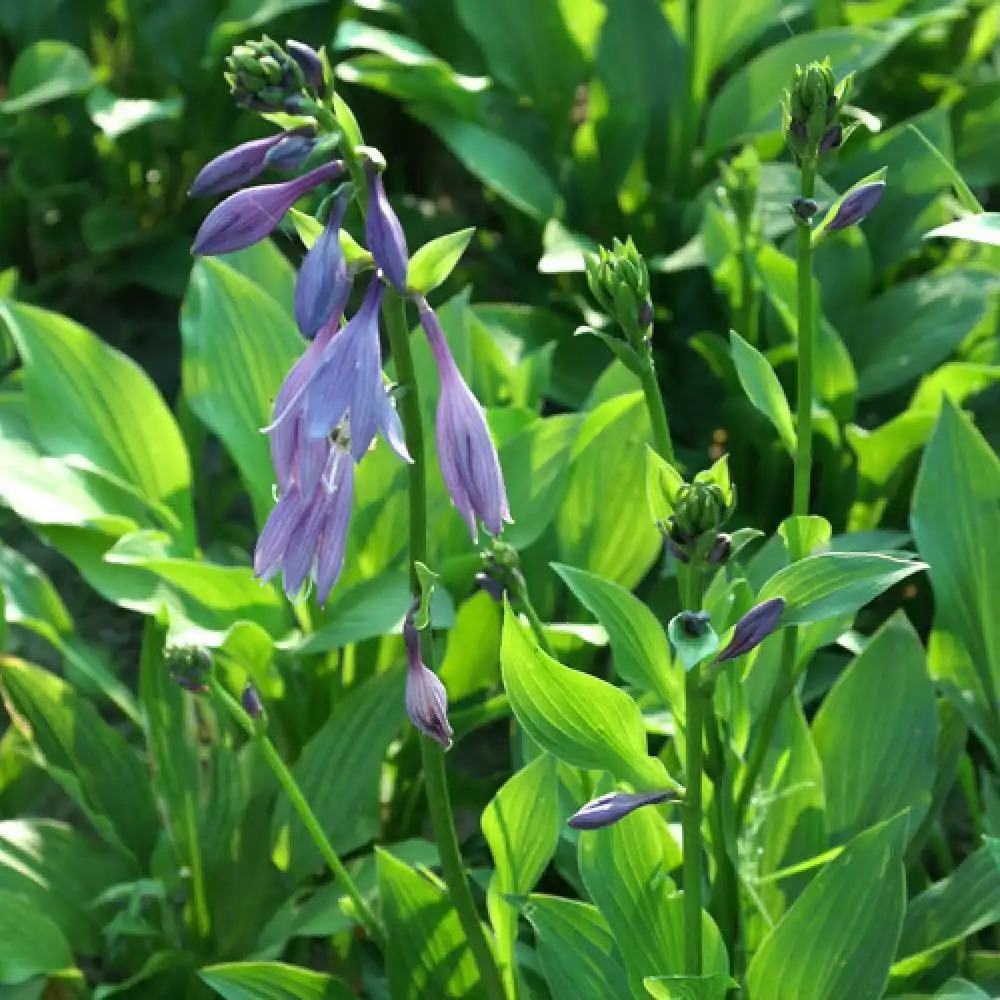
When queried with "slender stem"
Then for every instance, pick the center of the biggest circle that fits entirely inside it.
(302, 807)
(749, 314)
(202, 921)
(807, 336)
(657, 412)
(435, 776)
(523, 599)
(725, 893)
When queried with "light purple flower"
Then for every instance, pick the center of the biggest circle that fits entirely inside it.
(384, 233)
(235, 167)
(347, 385)
(248, 216)
(753, 628)
(608, 809)
(306, 534)
(466, 453)
(323, 283)
(857, 205)
(426, 697)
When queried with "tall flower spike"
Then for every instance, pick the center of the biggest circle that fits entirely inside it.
(384, 232)
(426, 697)
(323, 278)
(347, 383)
(236, 167)
(468, 458)
(248, 216)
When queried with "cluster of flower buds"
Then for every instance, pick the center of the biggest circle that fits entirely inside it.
(701, 508)
(619, 281)
(265, 76)
(811, 112)
(189, 666)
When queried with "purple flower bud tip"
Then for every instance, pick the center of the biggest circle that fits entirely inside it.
(753, 628)
(832, 138)
(384, 233)
(491, 586)
(250, 700)
(235, 167)
(695, 623)
(323, 283)
(858, 204)
(426, 697)
(608, 809)
(309, 62)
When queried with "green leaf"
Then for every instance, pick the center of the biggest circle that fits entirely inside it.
(91, 402)
(724, 30)
(603, 524)
(434, 261)
(115, 116)
(339, 772)
(238, 346)
(428, 955)
(640, 650)
(981, 228)
(30, 943)
(955, 508)
(876, 734)
(814, 951)
(713, 987)
(308, 230)
(833, 584)
(662, 483)
(92, 762)
(272, 981)
(521, 825)
(583, 721)
(624, 868)
(576, 949)
(44, 72)
(763, 388)
(805, 534)
(968, 200)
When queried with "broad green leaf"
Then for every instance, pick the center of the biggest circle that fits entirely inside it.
(91, 402)
(339, 772)
(723, 30)
(814, 951)
(92, 762)
(428, 955)
(521, 825)
(239, 18)
(833, 584)
(955, 508)
(434, 261)
(625, 870)
(960, 989)
(962, 190)
(876, 734)
(580, 719)
(763, 388)
(981, 228)
(638, 644)
(713, 987)
(805, 534)
(953, 909)
(59, 872)
(46, 71)
(30, 943)
(272, 981)
(662, 483)
(576, 949)
(471, 661)
(238, 347)
(115, 116)
(603, 524)
(31, 600)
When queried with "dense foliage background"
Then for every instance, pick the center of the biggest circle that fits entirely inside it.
(133, 480)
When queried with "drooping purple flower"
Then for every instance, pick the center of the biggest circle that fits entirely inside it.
(235, 167)
(309, 62)
(248, 216)
(289, 154)
(426, 697)
(466, 453)
(857, 205)
(347, 385)
(384, 233)
(306, 534)
(608, 809)
(323, 282)
(753, 628)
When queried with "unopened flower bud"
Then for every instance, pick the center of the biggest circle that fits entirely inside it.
(235, 167)
(250, 700)
(323, 283)
(804, 208)
(753, 628)
(189, 666)
(610, 808)
(310, 63)
(832, 138)
(491, 585)
(720, 550)
(289, 154)
(619, 281)
(426, 697)
(695, 623)
(857, 205)
(384, 233)
(700, 507)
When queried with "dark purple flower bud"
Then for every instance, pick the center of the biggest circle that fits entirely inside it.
(491, 585)
(426, 697)
(250, 700)
(235, 167)
(249, 216)
(323, 282)
(468, 458)
(695, 623)
(805, 208)
(832, 138)
(720, 550)
(289, 154)
(645, 315)
(798, 129)
(608, 809)
(189, 666)
(309, 62)
(857, 205)
(384, 233)
(753, 628)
